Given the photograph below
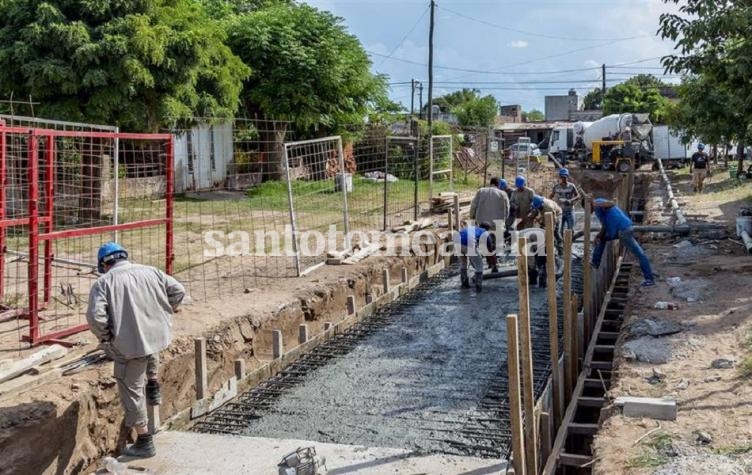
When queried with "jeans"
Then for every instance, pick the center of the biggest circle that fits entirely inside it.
(626, 236)
(567, 220)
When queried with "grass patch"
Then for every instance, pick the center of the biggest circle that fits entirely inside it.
(732, 450)
(745, 368)
(654, 455)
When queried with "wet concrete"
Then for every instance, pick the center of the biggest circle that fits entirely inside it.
(432, 381)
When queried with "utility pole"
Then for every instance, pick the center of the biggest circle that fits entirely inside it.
(412, 106)
(430, 68)
(603, 87)
(420, 104)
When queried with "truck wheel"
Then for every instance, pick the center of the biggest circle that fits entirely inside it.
(624, 166)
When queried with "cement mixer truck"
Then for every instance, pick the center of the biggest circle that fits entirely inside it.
(618, 141)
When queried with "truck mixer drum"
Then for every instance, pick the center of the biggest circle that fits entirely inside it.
(302, 461)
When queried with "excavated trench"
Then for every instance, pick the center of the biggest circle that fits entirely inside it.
(427, 373)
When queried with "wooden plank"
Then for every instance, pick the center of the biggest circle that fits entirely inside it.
(602, 365)
(587, 292)
(580, 428)
(200, 367)
(553, 320)
(515, 404)
(575, 460)
(608, 335)
(204, 406)
(587, 401)
(528, 396)
(567, 307)
(17, 368)
(561, 436)
(545, 431)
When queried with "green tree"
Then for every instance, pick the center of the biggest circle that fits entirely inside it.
(533, 116)
(594, 99)
(639, 94)
(449, 102)
(306, 70)
(141, 64)
(477, 111)
(713, 43)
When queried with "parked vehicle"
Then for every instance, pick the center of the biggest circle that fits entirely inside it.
(622, 142)
(519, 151)
(669, 147)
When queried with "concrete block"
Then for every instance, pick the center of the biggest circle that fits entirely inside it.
(350, 304)
(385, 280)
(403, 275)
(302, 333)
(201, 371)
(278, 346)
(152, 413)
(654, 408)
(228, 391)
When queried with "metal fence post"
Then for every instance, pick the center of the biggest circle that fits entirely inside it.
(416, 164)
(345, 209)
(430, 166)
(386, 187)
(291, 208)
(116, 188)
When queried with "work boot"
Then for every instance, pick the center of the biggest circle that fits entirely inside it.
(478, 282)
(142, 448)
(153, 396)
(465, 281)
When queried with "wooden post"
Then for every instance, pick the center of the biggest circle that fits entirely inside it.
(575, 349)
(553, 318)
(403, 275)
(302, 333)
(531, 446)
(515, 404)
(385, 280)
(450, 223)
(152, 413)
(240, 368)
(350, 304)
(199, 345)
(545, 428)
(567, 308)
(587, 286)
(456, 207)
(278, 344)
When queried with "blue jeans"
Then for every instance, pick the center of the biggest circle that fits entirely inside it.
(567, 220)
(626, 236)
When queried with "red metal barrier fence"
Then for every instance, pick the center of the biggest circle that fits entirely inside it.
(63, 194)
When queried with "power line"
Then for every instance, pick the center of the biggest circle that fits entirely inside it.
(394, 50)
(530, 33)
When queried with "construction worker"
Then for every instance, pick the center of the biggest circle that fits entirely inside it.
(700, 162)
(129, 312)
(491, 205)
(504, 186)
(522, 198)
(469, 241)
(615, 224)
(566, 195)
(541, 206)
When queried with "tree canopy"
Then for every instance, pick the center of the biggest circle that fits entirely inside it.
(641, 93)
(714, 46)
(533, 116)
(477, 111)
(306, 68)
(140, 64)
(594, 99)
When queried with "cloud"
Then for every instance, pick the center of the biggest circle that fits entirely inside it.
(518, 44)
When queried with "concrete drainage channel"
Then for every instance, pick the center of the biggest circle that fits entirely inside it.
(427, 373)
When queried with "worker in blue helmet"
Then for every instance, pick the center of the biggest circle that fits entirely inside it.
(699, 167)
(129, 313)
(565, 194)
(615, 224)
(521, 199)
(472, 242)
(541, 206)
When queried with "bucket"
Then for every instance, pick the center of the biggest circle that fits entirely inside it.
(343, 181)
(743, 223)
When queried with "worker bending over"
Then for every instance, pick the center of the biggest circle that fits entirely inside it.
(522, 197)
(541, 206)
(566, 195)
(615, 224)
(129, 312)
(470, 240)
(491, 205)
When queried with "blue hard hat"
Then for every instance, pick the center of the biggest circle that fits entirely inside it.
(108, 253)
(503, 184)
(520, 181)
(537, 201)
(563, 172)
(701, 146)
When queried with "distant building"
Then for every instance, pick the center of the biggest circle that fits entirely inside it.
(586, 115)
(511, 113)
(559, 107)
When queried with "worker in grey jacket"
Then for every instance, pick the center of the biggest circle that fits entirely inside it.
(129, 312)
(491, 205)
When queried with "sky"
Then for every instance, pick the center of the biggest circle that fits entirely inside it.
(508, 48)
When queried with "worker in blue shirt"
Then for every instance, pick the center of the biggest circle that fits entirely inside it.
(615, 224)
(470, 239)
